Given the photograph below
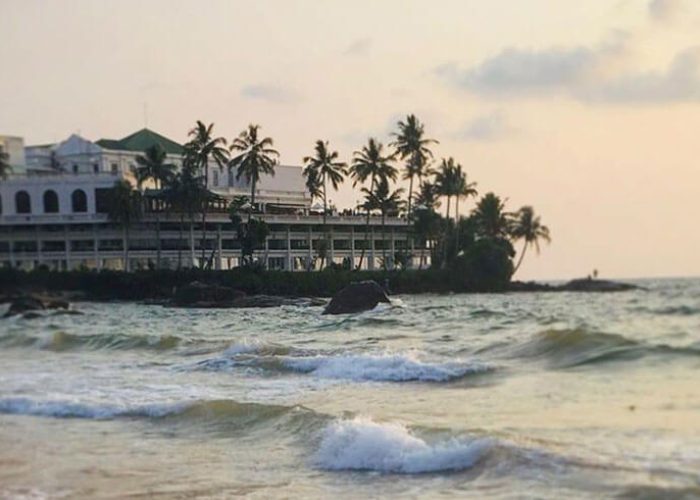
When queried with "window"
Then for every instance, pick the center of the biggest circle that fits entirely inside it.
(0, 205)
(79, 201)
(115, 168)
(50, 202)
(96, 168)
(23, 203)
(215, 177)
(231, 178)
(75, 168)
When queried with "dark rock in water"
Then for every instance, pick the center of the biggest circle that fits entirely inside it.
(198, 294)
(57, 304)
(530, 286)
(24, 304)
(591, 285)
(357, 297)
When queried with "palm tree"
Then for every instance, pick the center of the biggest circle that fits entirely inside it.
(527, 226)
(153, 166)
(203, 146)
(124, 208)
(428, 196)
(463, 189)
(5, 167)
(371, 163)
(412, 146)
(385, 201)
(490, 217)
(257, 157)
(324, 167)
(446, 180)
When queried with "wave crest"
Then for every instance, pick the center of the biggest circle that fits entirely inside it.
(362, 444)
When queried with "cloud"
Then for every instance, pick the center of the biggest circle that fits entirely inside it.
(269, 93)
(359, 47)
(489, 127)
(680, 82)
(587, 74)
(664, 10)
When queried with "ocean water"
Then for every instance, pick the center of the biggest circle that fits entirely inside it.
(456, 396)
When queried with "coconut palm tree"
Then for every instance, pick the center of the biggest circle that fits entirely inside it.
(528, 227)
(256, 157)
(463, 189)
(446, 180)
(413, 147)
(5, 167)
(325, 167)
(490, 217)
(428, 197)
(370, 163)
(385, 201)
(153, 165)
(203, 146)
(124, 208)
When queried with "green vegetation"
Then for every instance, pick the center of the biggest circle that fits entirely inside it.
(5, 167)
(473, 251)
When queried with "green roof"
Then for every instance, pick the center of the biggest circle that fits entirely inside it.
(141, 141)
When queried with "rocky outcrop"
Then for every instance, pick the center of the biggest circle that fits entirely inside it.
(577, 285)
(591, 285)
(31, 306)
(357, 297)
(198, 294)
(275, 301)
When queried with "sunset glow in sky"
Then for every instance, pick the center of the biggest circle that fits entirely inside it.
(589, 111)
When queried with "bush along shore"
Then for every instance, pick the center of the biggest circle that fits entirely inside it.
(163, 285)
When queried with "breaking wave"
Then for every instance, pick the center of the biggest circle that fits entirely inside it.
(362, 444)
(384, 367)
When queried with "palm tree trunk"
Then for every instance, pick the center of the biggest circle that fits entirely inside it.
(205, 207)
(192, 240)
(364, 247)
(325, 222)
(410, 197)
(384, 239)
(520, 260)
(456, 225)
(180, 241)
(446, 240)
(158, 249)
(127, 268)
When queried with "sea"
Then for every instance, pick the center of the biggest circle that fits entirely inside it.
(517, 395)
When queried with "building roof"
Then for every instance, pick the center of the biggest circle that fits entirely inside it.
(141, 141)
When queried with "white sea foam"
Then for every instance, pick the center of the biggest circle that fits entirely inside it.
(362, 444)
(71, 409)
(384, 367)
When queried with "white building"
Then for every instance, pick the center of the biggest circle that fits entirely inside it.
(54, 213)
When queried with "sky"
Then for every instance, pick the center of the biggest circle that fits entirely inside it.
(588, 111)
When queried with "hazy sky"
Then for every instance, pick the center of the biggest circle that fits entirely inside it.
(587, 110)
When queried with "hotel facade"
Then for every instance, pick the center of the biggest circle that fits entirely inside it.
(54, 214)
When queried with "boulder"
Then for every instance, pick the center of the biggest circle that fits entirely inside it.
(357, 297)
(24, 304)
(57, 304)
(198, 294)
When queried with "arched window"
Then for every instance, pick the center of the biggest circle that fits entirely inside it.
(79, 201)
(50, 202)
(23, 204)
